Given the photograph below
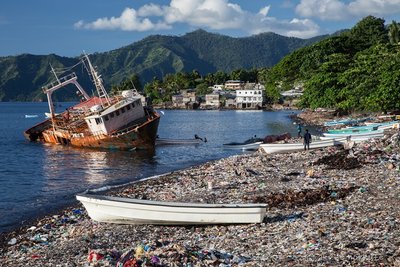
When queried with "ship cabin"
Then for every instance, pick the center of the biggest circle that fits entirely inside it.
(123, 113)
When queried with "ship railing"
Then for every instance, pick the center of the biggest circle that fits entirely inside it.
(72, 125)
(59, 81)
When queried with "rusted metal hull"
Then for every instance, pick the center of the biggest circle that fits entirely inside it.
(142, 136)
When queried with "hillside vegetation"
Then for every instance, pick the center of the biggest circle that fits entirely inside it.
(22, 76)
(358, 70)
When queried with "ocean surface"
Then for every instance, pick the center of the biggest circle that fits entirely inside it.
(36, 179)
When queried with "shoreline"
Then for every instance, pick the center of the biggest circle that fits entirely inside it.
(323, 210)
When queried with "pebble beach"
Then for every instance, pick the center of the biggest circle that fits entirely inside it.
(328, 207)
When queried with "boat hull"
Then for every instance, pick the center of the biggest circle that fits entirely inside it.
(364, 135)
(251, 146)
(166, 141)
(142, 136)
(137, 211)
(294, 147)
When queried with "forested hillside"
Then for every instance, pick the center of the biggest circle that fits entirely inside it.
(21, 77)
(358, 70)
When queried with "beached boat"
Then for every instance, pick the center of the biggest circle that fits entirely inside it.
(355, 138)
(137, 211)
(369, 134)
(250, 144)
(169, 141)
(383, 125)
(355, 129)
(294, 147)
(117, 122)
(345, 121)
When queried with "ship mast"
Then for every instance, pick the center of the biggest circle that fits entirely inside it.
(61, 82)
(98, 82)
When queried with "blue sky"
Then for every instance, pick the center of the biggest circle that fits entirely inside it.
(67, 28)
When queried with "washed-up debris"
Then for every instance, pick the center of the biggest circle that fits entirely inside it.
(322, 211)
(339, 160)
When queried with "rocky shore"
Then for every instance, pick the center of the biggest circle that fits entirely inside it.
(328, 207)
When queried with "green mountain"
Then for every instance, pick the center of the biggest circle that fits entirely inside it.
(22, 76)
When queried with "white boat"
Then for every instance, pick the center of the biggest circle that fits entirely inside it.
(28, 116)
(294, 147)
(250, 144)
(137, 211)
(168, 141)
(355, 138)
(370, 134)
(243, 146)
(383, 125)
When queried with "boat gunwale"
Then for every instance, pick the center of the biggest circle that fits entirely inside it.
(183, 205)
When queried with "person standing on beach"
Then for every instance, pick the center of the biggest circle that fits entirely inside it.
(299, 130)
(307, 140)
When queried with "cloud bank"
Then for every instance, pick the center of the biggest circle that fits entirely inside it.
(344, 10)
(211, 14)
(224, 15)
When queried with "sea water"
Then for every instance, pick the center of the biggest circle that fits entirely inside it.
(36, 179)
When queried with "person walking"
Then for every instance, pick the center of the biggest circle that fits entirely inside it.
(307, 140)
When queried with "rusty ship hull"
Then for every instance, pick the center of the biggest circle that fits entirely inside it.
(141, 135)
(122, 121)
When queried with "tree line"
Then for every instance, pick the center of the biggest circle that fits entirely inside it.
(356, 70)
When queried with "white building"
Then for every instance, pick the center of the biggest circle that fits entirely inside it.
(212, 100)
(250, 98)
(217, 87)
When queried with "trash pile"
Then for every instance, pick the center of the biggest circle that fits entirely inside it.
(327, 207)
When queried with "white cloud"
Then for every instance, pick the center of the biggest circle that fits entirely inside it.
(128, 21)
(150, 10)
(211, 14)
(264, 11)
(342, 10)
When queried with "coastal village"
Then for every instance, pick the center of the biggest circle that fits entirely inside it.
(233, 94)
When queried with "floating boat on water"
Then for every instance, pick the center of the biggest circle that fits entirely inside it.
(137, 211)
(294, 147)
(169, 141)
(28, 116)
(250, 144)
(118, 122)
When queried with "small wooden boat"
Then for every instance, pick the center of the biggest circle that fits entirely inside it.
(355, 129)
(345, 121)
(294, 147)
(137, 211)
(369, 134)
(168, 141)
(250, 144)
(354, 137)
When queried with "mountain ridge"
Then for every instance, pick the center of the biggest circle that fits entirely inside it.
(22, 76)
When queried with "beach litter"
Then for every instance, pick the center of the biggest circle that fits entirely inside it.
(346, 213)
